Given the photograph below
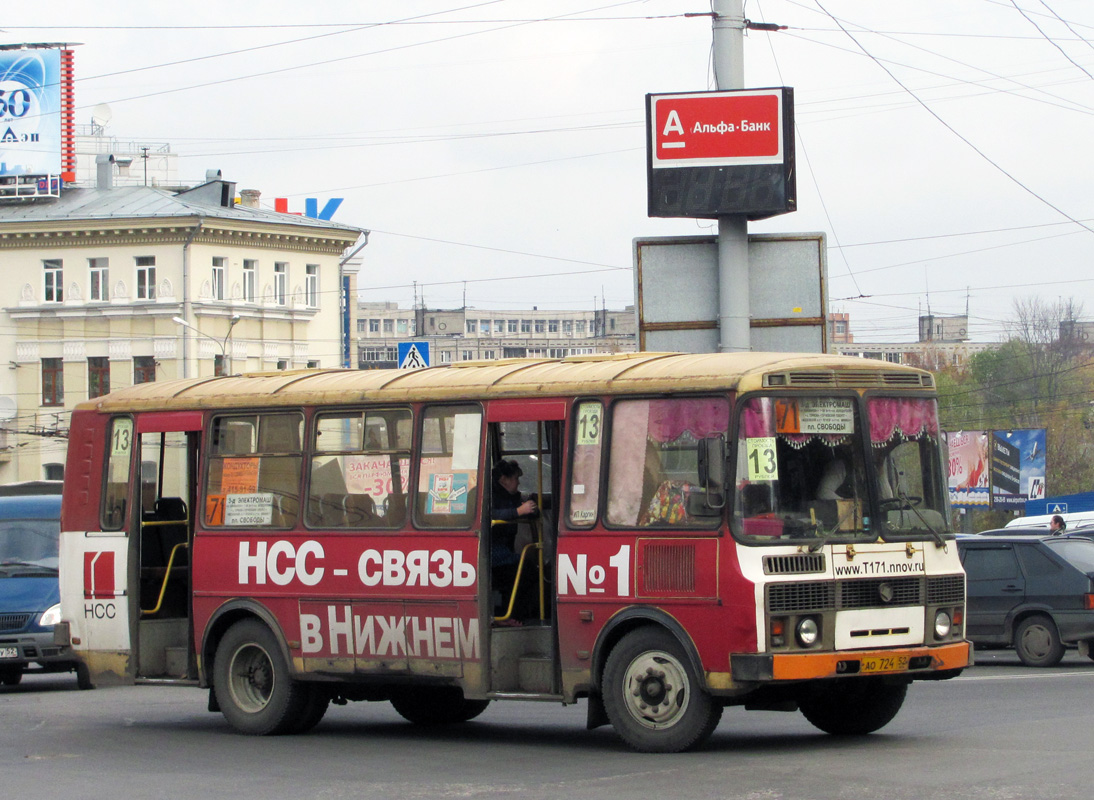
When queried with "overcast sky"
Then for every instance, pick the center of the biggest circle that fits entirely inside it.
(496, 150)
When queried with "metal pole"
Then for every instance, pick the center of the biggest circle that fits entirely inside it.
(734, 312)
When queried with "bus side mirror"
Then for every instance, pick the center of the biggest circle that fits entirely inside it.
(712, 469)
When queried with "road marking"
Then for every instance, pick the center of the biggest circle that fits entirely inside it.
(1025, 677)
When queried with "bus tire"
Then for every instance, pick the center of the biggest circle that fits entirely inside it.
(316, 702)
(252, 683)
(652, 695)
(83, 677)
(11, 676)
(436, 705)
(1037, 642)
(852, 707)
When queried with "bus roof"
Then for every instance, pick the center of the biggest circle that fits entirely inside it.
(628, 373)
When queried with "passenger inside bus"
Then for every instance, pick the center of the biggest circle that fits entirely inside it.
(508, 506)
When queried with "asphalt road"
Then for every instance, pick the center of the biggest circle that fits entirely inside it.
(1000, 731)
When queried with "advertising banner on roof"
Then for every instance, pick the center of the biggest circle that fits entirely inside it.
(30, 112)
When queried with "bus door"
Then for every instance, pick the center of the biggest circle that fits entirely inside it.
(524, 442)
(168, 448)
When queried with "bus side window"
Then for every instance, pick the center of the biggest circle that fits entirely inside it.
(360, 469)
(254, 471)
(116, 490)
(448, 469)
(585, 475)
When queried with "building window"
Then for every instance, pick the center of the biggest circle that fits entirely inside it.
(402, 327)
(471, 326)
(374, 326)
(389, 326)
(361, 325)
(313, 365)
(53, 382)
(446, 357)
(489, 355)
(526, 326)
(282, 364)
(218, 277)
(311, 285)
(100, 278)
(220, 366)
(250, 270)
(467, 355)
(568, 326)
(579, 326)
(499, 327)
(513, 325)
(841, 327)
(552, 326)
(484, 327)
(281, 282)
(54, 280)
(53, 472)
(539, 326)
(146, 277)
(98, 376)
(611, 323)
(144, 369)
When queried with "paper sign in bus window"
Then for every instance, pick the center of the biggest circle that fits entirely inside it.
(814, 415)
(248, 509)
(762, 464)
(447, 493)
(239, 476)
(465, 441)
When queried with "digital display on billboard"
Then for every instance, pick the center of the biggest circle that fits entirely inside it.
(30, 112)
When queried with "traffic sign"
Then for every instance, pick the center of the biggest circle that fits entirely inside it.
(413, 355)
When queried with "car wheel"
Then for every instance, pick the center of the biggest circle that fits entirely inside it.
(1038, 642)
(10, 676)
(852, 707)
(653, 697)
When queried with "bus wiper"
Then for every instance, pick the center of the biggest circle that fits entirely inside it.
(938, 540)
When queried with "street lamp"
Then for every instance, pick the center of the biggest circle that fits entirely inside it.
(222, 343)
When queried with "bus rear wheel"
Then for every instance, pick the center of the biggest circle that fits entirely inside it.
(852, 707)
(10, 676)
(653, 697)
(252, 683)
(436, 705)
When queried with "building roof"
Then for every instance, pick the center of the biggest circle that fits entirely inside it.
(632, 373)
(147, 202)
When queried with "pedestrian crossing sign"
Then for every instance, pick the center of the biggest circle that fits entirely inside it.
(413, 355)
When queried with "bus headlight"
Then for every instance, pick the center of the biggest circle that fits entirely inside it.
(807, 632)
(51, 616)
(942, 625)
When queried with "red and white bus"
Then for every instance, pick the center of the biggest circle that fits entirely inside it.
(756, 529)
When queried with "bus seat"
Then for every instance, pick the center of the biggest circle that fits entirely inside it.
(170, 509)
(360, 510)
(332, 510)
(394, 510)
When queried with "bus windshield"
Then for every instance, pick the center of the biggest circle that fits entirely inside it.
(801, 473)
(801, 470)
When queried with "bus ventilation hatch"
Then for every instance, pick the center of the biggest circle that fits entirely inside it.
(852, 378)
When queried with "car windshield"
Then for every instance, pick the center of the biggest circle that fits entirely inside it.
(1079, 552)
(29, 542)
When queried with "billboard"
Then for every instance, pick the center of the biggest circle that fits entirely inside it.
(997, 469)
(1017, 467)
(968, 463)
(30, 111)
(711, 154)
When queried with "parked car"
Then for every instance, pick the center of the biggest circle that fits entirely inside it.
(30, 525)
(1034, 593)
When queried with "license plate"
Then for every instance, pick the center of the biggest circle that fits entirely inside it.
(884, 664)
(9, 652)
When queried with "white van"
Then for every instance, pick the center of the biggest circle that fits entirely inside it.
(1074, 520)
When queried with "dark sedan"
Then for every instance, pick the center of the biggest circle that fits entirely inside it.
(1031, 592)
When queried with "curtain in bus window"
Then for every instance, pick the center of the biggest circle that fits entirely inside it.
(653, 473)
(909, 417)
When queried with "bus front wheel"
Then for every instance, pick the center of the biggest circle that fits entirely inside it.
(252, 683)
(653, 697)
(852, 707)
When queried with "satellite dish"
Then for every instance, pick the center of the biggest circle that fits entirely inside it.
(8, 408)
(101, 114)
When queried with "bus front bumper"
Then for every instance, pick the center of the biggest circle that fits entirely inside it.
(913, 662)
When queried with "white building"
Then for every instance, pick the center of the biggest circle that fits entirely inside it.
(98, 276)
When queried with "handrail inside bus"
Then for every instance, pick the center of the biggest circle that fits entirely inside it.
(167, 575)
(516, 582)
